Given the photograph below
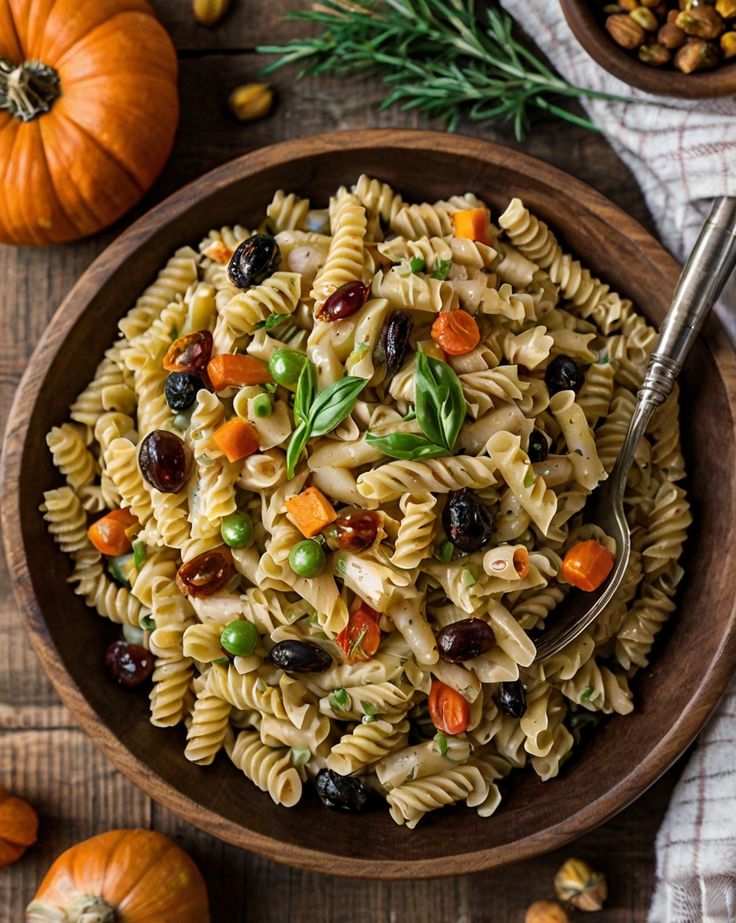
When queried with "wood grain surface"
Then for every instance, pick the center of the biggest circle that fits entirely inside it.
(45, 758)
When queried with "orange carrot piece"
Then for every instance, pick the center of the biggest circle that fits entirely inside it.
(473, 224)
(455, 332)
(231, 370)
(587, 564)
(310, 511)
(109, 534)
(236, 439)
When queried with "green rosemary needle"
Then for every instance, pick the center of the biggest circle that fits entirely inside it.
(437, 56)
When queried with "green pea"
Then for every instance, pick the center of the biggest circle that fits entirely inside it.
(239, 638)
(263, 405)
(285, 366)
(307, 558)
(237, 530)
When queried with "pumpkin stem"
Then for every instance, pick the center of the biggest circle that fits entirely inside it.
(83, 909)
(27, 90)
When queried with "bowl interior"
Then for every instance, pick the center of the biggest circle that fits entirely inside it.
(622, 757)
(586, 21)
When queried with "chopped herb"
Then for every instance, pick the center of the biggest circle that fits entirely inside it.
(300, 755)
(314, 619)
(367, 719)
(529, 478)
(442, 270)
(270, 386)
(174, 333)
(441, 741)
(468, 579)
(222, 661)
(273, 320)
(339, 699)
(368, 709)
(446, 552)
(361, 345)
(147, 623)
(417, 264)
(139, 554)
(356, 648)
(586, 694)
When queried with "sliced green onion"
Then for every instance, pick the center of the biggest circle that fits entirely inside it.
(468, 579)
(417, 264)
(441, 741)
(586, 693)
(529, 478)
(339, 700)
(446, 552)
(442, 270)
(368, 709)
(139, 554)
(367, 719)
(147, 622)
(300, 755)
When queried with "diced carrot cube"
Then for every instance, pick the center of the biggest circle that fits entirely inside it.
(236, 439)
(310, 511)
(473, 224)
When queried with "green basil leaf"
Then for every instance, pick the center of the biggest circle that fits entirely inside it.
(273, 320)
(299, 439)
(407, 446)
(440, 402)
(334, 403)
(306, 391)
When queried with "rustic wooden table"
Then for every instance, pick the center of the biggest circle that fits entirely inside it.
(44, 757)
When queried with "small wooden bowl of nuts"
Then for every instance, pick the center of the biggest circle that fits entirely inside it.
(684, 48)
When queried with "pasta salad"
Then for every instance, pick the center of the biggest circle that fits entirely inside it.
(331, 478)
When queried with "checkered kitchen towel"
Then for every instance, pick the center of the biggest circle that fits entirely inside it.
(683, 154)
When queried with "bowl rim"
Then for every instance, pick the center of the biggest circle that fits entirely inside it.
(627, 789)
(712, 84)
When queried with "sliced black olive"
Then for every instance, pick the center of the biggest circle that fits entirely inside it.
(181, 390)
(394, 340)
(538, 446)
(563, 375)
(300, 657)
(254, 260)
(467, 522)
(511, 698)
(465, 639)
(341, 793)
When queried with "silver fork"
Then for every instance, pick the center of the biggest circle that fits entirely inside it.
(710, 264)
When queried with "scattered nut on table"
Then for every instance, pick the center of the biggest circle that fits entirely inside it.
(209, 12)
(578, 884)
(251, 101)
(546, 912)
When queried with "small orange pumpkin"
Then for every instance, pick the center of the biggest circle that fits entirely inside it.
(124, 876)
(18, 827)
(88, 111)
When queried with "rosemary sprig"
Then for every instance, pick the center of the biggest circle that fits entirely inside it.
(437, 56)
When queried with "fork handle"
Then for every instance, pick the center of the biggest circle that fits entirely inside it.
(710, 264)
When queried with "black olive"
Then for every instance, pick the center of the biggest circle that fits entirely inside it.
(164, 461)
(254, 260)
(181, 390)
(563, 375)
(300, 657)
(538, 446)
(511, 698)
(468, 524)
(342, 793)
(394, 340)
(465, 639)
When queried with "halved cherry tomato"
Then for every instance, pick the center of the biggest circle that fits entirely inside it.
(361, 636)
(456, 332)
(109, 534)
(189, 353)
(587, 564)
(449, 711)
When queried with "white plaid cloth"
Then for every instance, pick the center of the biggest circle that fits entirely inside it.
(683, 154)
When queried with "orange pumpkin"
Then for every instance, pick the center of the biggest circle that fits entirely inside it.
(126, 876)
(18, 827)
(88, 111)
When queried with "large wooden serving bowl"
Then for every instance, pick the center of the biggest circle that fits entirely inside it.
(693, 661)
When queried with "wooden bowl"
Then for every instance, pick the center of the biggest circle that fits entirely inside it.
(623, 757)
(584, 19)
